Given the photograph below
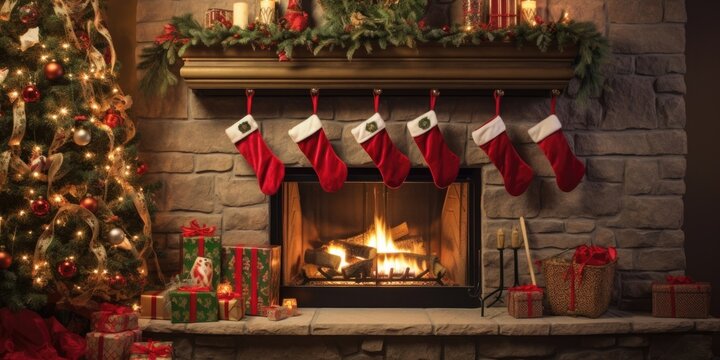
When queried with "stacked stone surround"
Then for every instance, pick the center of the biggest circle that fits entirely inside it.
(631, 137)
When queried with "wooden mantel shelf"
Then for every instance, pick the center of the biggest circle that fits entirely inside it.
(489, 66)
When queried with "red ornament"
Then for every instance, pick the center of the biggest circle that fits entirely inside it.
(446, 28)
(117, 281)
(113, 119)
(67, 269)
(421, 24)
(29, 15)
(80, 118)
(89, 203)
(40, 207)
(251, 26)
(5, 259)
(53, 70)
(31, 94)
(84, 38)
(141, 169)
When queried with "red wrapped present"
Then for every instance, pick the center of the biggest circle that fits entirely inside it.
(222, 16)
(151, 350)
(111, 346)
(525, 301)
(254, 272)
(114, 318)
(681, 297)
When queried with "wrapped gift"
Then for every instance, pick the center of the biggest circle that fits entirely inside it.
(254, 272)
(276, 313)
(525, 301)
(681, 297)
(200, 242)
(111, 346)
(222, 16)
(114, 318)
(151, 350)
(503, 13)
(231, 307)
(190, 304)
(582, 286)
(153, 305)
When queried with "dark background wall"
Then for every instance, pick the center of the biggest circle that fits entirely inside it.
(702, 209)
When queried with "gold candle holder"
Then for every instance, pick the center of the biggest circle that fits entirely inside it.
(528, 11)
(266, 12)
(291, 305)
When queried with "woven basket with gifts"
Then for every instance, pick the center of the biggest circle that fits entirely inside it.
(581, 286)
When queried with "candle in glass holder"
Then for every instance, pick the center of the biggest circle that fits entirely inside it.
(291, 305)
(500, 239)
(529, 10)
(266, 14)
(515, 238)
(241, 14)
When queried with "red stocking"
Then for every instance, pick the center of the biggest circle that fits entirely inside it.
(393, 164)
(443, 163)
(311, 139)
(247, 139)
(548, 134)
(492, 138)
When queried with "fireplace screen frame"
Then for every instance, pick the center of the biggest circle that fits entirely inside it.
(389, 296)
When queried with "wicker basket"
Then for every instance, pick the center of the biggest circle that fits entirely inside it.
(592, 290)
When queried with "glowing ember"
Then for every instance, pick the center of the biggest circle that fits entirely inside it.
(338, 251)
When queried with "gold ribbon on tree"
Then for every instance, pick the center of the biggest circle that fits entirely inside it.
(19, 123)
(6, 9)
(48, 236)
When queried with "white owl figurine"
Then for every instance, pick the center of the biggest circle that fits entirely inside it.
(202, 272)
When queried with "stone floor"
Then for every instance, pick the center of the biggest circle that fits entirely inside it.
(440, 322)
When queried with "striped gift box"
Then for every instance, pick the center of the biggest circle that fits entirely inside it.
(503, 13)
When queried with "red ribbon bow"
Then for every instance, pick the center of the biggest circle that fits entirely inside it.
(152, 350)
(115, 309)
(593, 255)
(196, 230)
(170, 33)
(228, 296)
(679, 280)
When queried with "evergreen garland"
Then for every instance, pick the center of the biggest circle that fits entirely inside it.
(355, 25)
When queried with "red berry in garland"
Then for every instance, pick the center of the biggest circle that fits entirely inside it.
(40, 207)
(5, 259)
(31, 94)
(67, 269)
(446, 28)
(53, 70)
(80, 118)
(89, 203)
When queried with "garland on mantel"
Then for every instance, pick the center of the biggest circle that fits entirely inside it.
(368, 24)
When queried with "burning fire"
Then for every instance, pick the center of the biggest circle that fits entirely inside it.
(381, 239)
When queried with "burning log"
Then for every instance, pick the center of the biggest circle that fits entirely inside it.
(322, 258)
(362, 268)
(426, 262)
(396, 232)
(355, 250)
(409, 243)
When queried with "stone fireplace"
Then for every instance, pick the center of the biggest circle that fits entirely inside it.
(367, 245)
(631, 138)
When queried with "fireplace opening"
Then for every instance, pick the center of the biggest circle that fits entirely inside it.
(369, 245)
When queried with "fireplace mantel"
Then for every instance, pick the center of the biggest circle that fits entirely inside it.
(488, 66)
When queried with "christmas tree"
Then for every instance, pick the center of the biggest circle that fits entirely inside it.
(74, 217)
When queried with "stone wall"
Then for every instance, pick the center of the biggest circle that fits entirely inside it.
(631, 138)
(629, 347)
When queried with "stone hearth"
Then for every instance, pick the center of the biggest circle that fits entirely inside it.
(438, 334)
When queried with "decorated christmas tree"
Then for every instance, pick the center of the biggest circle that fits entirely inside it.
(74, 217)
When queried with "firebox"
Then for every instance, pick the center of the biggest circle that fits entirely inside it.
(367, 245)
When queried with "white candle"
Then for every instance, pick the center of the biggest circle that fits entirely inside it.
(529, 8)
(267, 11)
(240, 14)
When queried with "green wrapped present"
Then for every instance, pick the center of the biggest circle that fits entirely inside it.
(254, 272)
(200, 242)
(191, 304)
